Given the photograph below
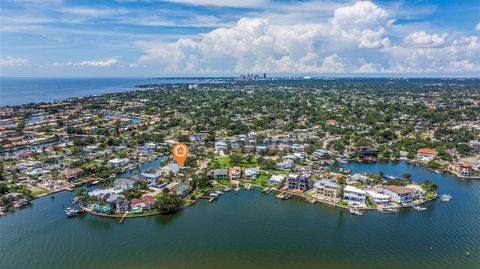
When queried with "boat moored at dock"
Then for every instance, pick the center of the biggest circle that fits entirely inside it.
(355, 211)
(388, 210)
(420, 208)
(72, 212)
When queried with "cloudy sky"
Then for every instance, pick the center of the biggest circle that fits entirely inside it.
(228, 37)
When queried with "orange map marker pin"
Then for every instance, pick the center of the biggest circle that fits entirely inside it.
(180, 153)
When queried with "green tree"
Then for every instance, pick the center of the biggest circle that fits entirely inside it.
(168, 202)
(21, 126)
(407, 176)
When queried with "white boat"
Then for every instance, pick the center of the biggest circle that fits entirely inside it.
(71, 212)
(420, 208)
(355, 211)
(445, 197)
(388, 210)
(213, 194)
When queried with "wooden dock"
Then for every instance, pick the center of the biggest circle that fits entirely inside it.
(123, 218)
(209, 198)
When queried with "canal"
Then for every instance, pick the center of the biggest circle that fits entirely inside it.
(248, 229)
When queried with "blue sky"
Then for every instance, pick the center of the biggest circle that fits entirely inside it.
(224, 38)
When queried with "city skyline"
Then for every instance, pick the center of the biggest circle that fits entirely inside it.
(224, 38)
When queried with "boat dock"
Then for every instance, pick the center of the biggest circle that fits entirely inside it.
(267, 190)
(123, 218)
(209, 198)
(283, 196)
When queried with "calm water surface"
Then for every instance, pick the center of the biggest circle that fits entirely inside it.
(248, 229)
(16, 91)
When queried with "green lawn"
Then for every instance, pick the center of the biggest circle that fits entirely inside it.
(262, 180)
(281, 172)
(36, 191)
(225, 162)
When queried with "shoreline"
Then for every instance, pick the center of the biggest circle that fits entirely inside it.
(149, 214)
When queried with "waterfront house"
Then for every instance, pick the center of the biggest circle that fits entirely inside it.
(426, 154)
(368, 153)
(276, 180)
(463, 169)
(145, 202)
(378, 198)
(354, 196)
(124, 184)
(104, 193)
(285, 165)
(399, 194)
(150, 178)
(122, 205)
(72, 174)
(170, 168)
(359, 178)
(182, 189)
(218, 174)
(251, 173)
(299, 182)
(234, 173)
(328, 190)
(220, 146)
(116, 163)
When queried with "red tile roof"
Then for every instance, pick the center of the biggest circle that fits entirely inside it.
(427, 151)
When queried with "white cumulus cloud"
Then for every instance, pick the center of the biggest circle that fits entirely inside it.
(363, 22)
(9, 61)
(423, 39)
(332, 46)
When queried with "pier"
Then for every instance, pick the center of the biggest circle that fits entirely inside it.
(123, 218)
(209, 198)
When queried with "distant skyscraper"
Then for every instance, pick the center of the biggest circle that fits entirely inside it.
(264, 76)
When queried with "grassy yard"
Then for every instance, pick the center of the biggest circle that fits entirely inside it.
(226, 162)
(36, 191)
(281, 172)
(262, 180)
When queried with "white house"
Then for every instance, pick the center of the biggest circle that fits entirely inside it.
(378, 198)
(170, 168)
(124, 184)
(118, 162)
(287, 164)
(359, 178)
(251, 173)
(399, 194)
(276, 180)
(426, 153)
(354, 196)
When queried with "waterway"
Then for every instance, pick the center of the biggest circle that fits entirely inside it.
(248, 229)
(17, 91)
